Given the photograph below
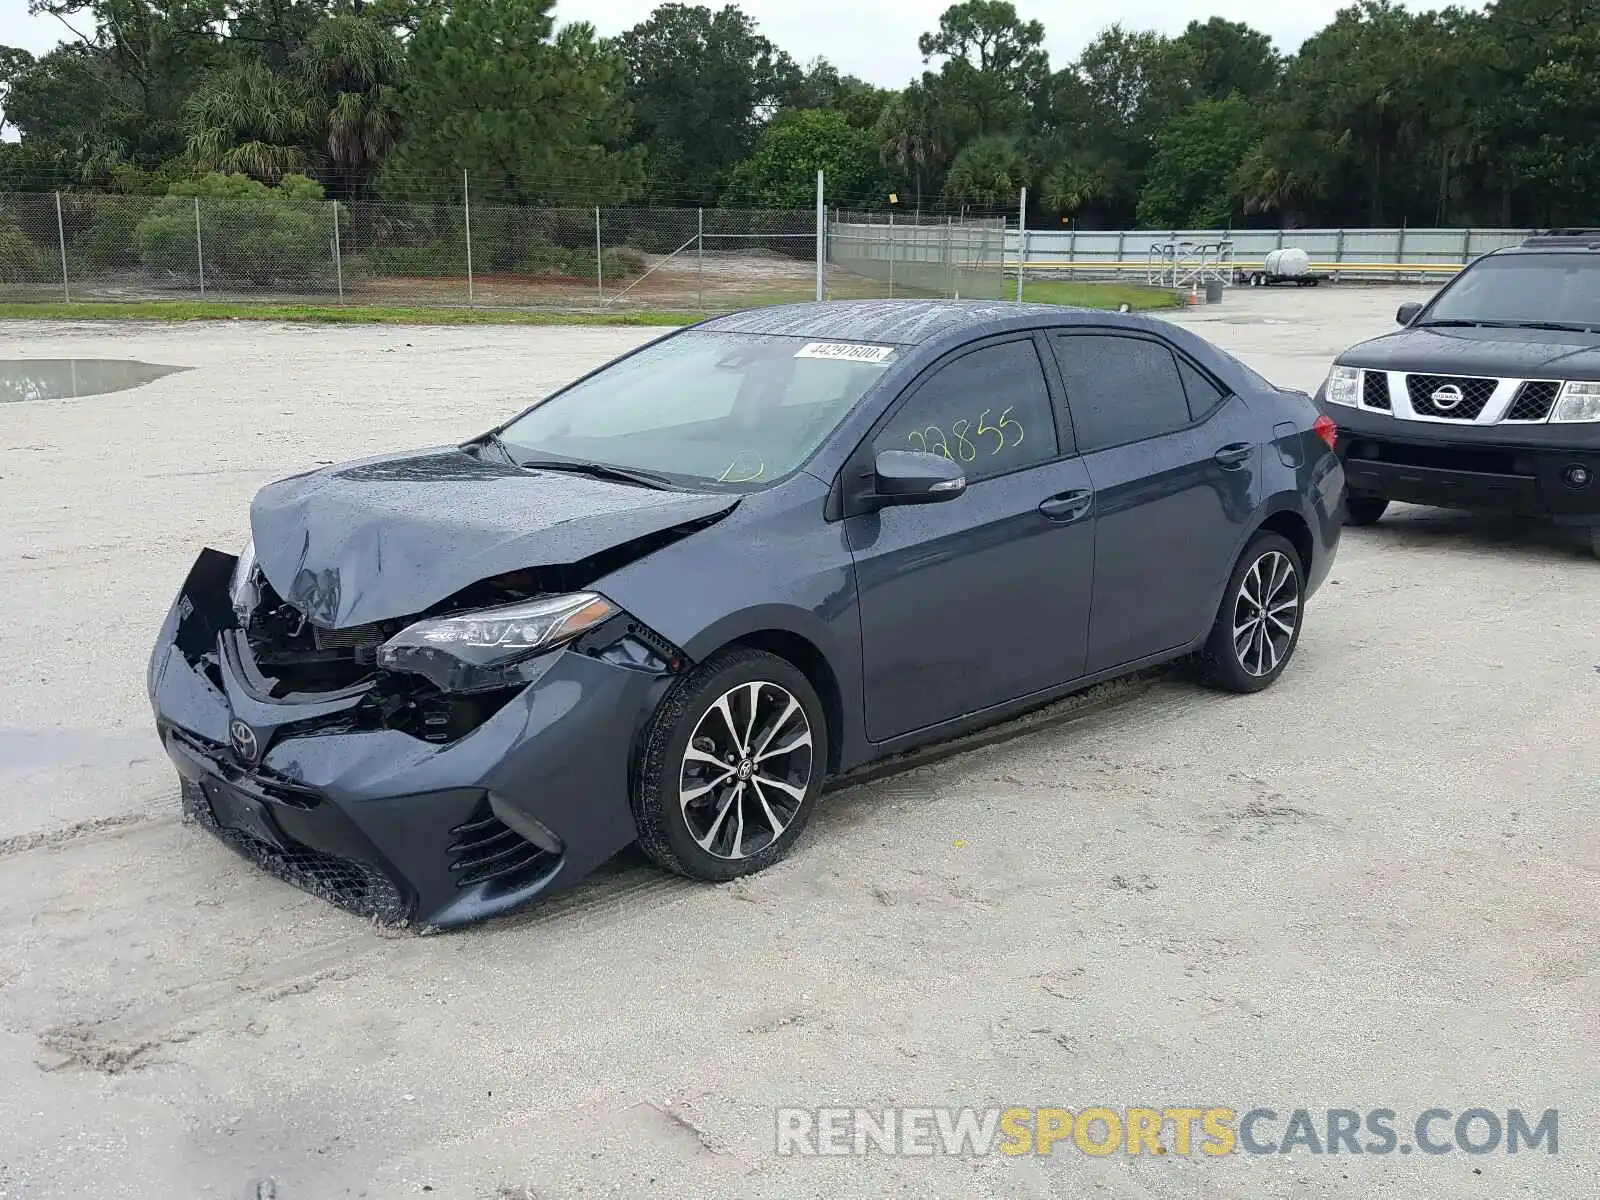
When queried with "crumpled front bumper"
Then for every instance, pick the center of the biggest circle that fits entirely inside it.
(397, 828)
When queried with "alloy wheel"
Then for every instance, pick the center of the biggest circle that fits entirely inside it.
(746, 770)
(1266, 614)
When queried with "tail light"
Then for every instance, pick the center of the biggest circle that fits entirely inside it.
(1325, 429)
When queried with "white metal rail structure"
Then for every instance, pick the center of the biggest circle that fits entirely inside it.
(1191, 265)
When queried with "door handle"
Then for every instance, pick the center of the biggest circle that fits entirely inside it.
(1235, 454)
(1068, 506)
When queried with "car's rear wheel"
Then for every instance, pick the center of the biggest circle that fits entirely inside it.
(1258, 627)
(731, 766)
(1364, 510)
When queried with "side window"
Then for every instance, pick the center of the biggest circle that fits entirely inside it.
(1120, 389)
(1205, 397)
(989, 410)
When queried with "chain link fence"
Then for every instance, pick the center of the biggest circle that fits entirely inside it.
(77, 246)
(917, 255)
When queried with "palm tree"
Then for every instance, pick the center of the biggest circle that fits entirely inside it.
(909, 135)
(359, 67)
(990, 172)
(250, 121)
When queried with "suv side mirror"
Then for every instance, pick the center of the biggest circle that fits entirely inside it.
(1408, 312)
(915, 477)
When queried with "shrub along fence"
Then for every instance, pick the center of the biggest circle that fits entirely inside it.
(228, 238)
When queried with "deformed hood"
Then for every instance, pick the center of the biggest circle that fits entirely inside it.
(392, 536)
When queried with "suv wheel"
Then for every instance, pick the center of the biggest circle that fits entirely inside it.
(1258, 626)
(732, 765)
(1364, 510)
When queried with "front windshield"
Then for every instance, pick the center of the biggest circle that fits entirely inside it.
(1524, 289)
(732, 409)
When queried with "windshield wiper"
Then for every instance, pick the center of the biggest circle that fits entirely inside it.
(1556, 326)
(1458, 323)
(596, 470)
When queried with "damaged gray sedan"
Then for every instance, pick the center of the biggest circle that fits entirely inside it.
(668, 603)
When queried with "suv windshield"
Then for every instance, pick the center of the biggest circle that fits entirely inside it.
(1523, 289)
(731, 409)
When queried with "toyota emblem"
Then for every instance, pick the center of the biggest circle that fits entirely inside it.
(244, 740)
(1447, 397)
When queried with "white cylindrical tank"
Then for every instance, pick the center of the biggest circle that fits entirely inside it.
(1288, 263)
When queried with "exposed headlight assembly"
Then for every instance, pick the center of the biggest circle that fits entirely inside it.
(1579, 401)
(492, 647)
(1344, 386)
(242, 589)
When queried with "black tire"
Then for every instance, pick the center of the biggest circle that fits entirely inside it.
(1264, 655)
(1594, 539)
(666, 773)
(1364, 510)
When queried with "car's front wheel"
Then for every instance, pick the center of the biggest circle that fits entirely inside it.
(1364, 510)
(1258, 627)
(732, 765)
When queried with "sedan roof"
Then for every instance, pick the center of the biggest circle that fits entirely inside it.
(898, 322)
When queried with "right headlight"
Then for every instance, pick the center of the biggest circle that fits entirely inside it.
(242, 589)
(1579, 401)
(1344, 386)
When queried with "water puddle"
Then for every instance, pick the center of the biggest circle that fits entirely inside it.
(67, 378)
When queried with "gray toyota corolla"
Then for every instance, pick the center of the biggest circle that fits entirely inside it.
(669, 602)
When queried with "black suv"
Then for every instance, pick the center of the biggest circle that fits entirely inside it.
(1489, 397)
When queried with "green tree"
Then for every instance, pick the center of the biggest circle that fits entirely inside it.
(357, 68)
(1220, 57)
(799, 142)
(701, 84)
(989, 173)
(993, 64)
(251, 120)
(249, 232)
(913, 139)
(1189, 182)
(531, 114)
(821, 85)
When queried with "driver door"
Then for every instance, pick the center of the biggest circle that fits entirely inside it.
(985, 598)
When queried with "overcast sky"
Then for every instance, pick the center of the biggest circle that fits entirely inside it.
(877, 39)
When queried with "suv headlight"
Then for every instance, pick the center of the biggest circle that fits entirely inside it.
(1578, 401)
(1344, 386)
(492, 647)
(242, 589)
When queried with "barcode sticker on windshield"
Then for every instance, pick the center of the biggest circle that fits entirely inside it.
(845, 352)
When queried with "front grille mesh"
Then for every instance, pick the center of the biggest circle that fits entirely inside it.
(486, 850)
(1534, 400)
(352, 886)
(1475, 393)
(1375, 389)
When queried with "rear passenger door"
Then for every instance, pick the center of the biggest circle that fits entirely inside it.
(1174, 467)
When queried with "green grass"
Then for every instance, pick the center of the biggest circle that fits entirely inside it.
(1043, 291)
(354, 314)
(1097, 295)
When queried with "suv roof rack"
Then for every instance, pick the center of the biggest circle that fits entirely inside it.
(1565, 237)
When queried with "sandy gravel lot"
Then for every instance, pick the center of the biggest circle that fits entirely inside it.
(1373, 886)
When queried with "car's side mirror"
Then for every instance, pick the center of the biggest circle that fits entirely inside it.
(915, 477)
(1408, 312)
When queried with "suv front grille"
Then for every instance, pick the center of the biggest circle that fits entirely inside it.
(1475, 393)
(1375, 389)
(1534, 400)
